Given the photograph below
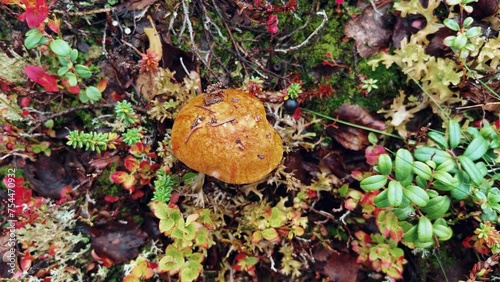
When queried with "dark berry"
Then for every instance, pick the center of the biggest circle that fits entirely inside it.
(291, 105)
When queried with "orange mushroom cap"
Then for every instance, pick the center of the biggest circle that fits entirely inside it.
(225, 134)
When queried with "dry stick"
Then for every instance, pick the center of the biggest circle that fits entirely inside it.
(85, 13)
(205, 108)
(308, 19)
(302, 44)
(191, 132)
(222, 122)
(84, 107)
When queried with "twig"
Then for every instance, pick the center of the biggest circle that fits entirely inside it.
(302, 44)
(222, 122)
(104, 52)
(85, 13)
(313, 4)
(205, 108)
(85, 107)
(184, 66)
(188, 22)
(16, 154)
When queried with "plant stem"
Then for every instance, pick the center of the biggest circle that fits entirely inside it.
(353, 124)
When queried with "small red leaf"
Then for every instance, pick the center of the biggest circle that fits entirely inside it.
(123, 178)
(137, 194)
(71, 89)
(272, 24)
(38, 75)
(131, 164)
(36, 12)
(54, 25)
(111, 199)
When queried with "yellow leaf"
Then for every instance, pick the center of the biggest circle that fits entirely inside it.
(154, 41)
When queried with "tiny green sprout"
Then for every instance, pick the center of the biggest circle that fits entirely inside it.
(369, 84)
(132, 136)
(125, 113)
(163, 184)
(293, 91)
(95, 141)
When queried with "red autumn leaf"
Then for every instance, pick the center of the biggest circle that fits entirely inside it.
(36, 12)
(297, 114)
(38, 75)
(111, 199)
(131, 164)
(372, 153)
(272, 24)
(102, 84)
(55, 25)
(65, 194)
(466, 243)
(26, 260)
(121, 177)
(9, 2)
(71, 89)
(137, 194)
(136, 149)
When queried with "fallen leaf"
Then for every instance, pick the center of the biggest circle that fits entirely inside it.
(369, 31)
(341, 267)
(38, 75)
(118, 242)
(49, 175)
(349, 137)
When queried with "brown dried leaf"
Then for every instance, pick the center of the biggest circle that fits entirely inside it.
(341, 267)
(369, 32)
(349, 137)
(49, 175)
(119, 242)
(146, 83)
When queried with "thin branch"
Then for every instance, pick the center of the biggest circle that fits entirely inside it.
(85, 107)
(302, 44)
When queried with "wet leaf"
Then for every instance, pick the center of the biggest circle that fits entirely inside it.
(118, 242)
(49, 175)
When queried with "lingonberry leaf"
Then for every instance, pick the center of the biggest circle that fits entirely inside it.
(60, 47)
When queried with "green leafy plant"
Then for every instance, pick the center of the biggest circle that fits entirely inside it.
(132, 135)
(70, 73)
(293, 91)
(125, 113)
(462, 43)
(95, 141)
(369, 84)
(191, 239)
(164, 185)
(420, 186)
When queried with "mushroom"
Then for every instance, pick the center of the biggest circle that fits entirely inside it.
(225, 134)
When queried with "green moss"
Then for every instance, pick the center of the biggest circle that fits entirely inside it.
(329, 40)
(106, 187)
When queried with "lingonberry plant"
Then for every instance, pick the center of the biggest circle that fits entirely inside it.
(419, 187)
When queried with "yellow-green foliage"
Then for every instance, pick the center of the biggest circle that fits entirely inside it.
(438, 77)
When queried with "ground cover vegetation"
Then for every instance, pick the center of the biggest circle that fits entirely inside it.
(388, 113)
